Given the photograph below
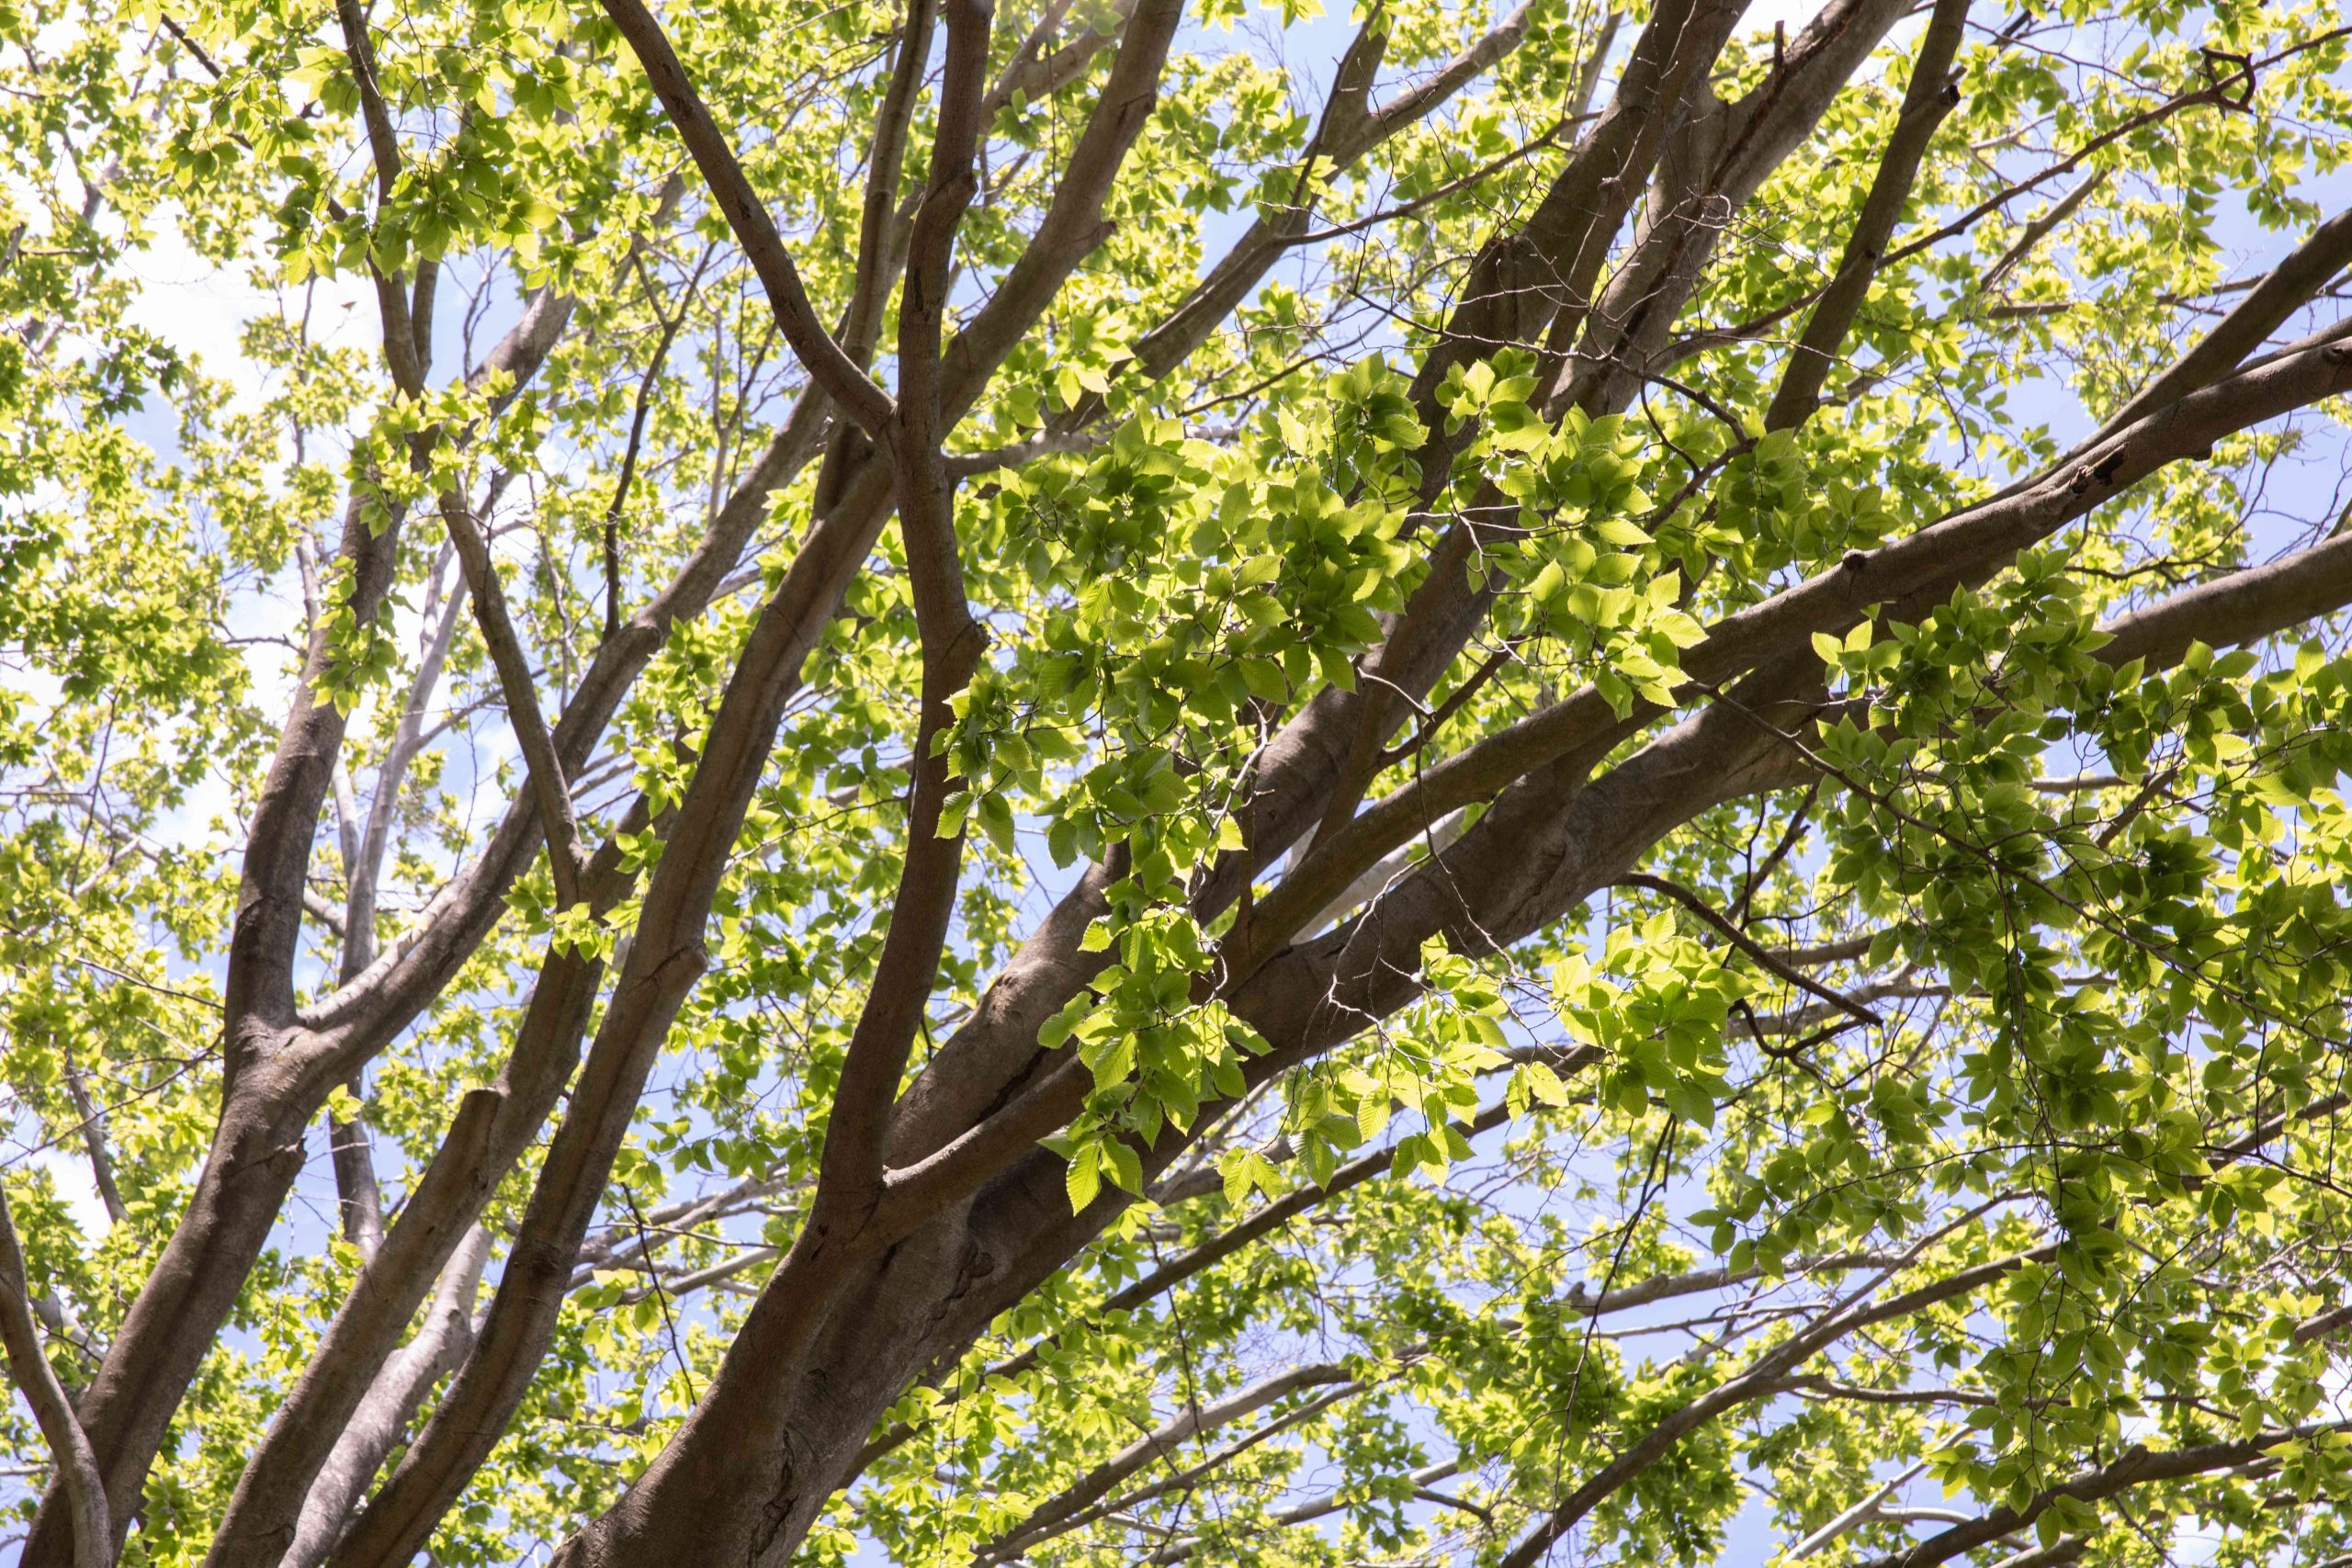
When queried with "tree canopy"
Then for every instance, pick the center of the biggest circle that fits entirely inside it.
(1123, 781)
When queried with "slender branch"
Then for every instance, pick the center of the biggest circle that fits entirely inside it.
(1346, 131)
(885, 154)
(1193, 1420)
(1073, 226)
(628, 474)
(1308, 1512)
(489, 1131)
(1769, 1372)
(1756, 1383)
(1860, 1514)
(557, 819)
(2030, 237)
(1035, 74)
(1749, 945)
(93, 1121)
(2138, 1466)
(399, 322)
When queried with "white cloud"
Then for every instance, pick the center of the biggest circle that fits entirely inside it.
(201, 308)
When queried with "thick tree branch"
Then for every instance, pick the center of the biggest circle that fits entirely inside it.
(1299, 770)
(1930, 98)
(77, 1462)
(747, 215)
(2289, 287)
(952, 644)
(1073, 226)
(2241, 608)
(1921, 568)
(376, 1426)
(489, 1133)
(664, 960)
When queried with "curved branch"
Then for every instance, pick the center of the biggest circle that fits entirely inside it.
(77, 1462)
(747, 215)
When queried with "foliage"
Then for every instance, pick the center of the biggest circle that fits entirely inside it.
(1509, 950)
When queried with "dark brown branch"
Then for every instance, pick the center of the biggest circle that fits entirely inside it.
(1749, 945)
(1346, 131)
(372, 1007)
(628, 474)
(93, 1121)
(913, 1193)
(952, 644)
(1921, 568)
(1036, 74)
(402, 330)
(2211, 94)
(490, 1130)
(747, 215)
(664, 960)
(1931, 98)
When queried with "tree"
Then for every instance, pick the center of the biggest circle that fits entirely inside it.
(988, 785)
